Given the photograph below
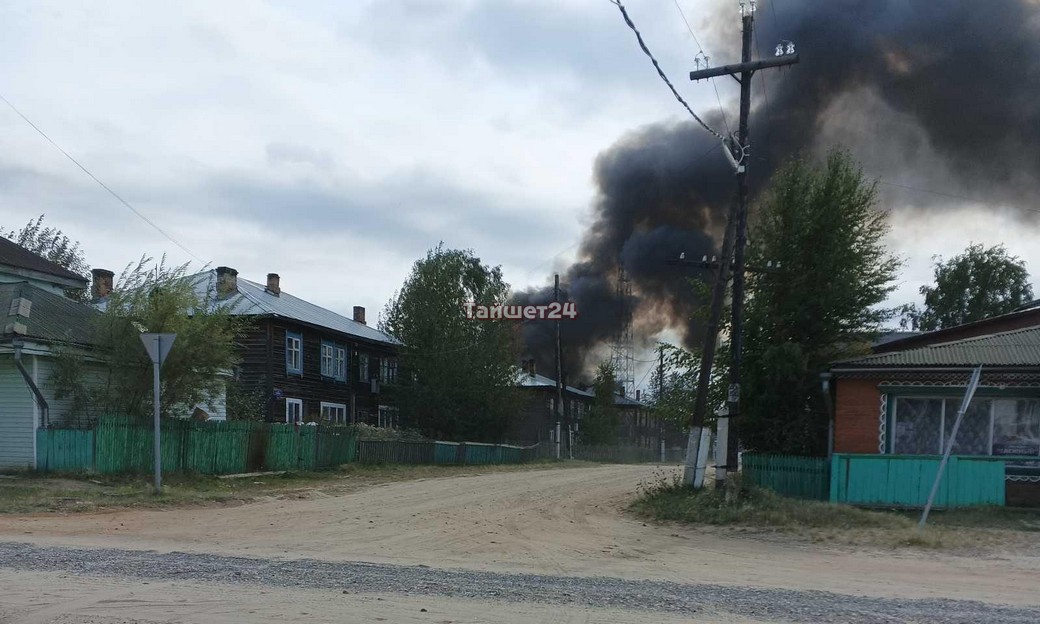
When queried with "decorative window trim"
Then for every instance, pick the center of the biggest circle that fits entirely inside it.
(339, 362)
(289, 368)
(364, 374)
(883, 425)
(291, 401)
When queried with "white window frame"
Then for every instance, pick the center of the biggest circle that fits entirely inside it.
(339, 362)
(363, 367)
(290, 403)
(294, 353)
(327, 359)
(341, 408)
(388, 416)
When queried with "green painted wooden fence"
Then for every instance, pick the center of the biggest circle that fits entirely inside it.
(119, 445)
(788, 475)
(443, 453)
(65, 450)
(905, 480)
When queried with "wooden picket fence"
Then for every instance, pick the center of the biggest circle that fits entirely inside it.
(120, 445)
(788, 475)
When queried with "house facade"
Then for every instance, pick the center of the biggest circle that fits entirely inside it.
(311, 364)
(903, 398)
(36, 322)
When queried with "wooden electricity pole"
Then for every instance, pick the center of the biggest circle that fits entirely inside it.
(560, 411)
(734, 244)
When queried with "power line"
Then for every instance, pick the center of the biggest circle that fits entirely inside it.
(944, 194)
(701, 50)
(100, 183)
(660, 72)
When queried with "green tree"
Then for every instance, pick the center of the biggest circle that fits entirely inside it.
(971, 286)
(673, 394)
(54, 245)
(821, 224)
(600, 425)
(154, 297)
(458, 379)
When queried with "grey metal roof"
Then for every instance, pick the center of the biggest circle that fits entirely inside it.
(541, 381)
(14, 255)
(48, 318)
(1020, 347)
(254, 300)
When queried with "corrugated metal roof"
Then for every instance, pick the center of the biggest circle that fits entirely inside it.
(541, 381)
(13, 254)
(50, 317)
(254, 300)
(1020, 347)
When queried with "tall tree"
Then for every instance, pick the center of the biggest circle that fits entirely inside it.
(600, 425)
(821, 224)
(458, 376)
(971, 286)
(673, 387)
(53, 244)
(153, 297)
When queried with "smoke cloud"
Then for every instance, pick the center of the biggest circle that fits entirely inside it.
(934, 95)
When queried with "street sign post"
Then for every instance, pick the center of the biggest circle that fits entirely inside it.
(158, 347)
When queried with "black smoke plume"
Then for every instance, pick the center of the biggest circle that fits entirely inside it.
(940, 95)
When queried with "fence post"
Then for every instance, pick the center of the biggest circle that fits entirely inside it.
(557, 440)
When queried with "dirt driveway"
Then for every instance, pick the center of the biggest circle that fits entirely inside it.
(566, 523)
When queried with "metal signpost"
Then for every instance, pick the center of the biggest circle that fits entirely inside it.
(158, 347)
(973, 384)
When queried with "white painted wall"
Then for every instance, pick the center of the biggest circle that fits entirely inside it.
(17, 429)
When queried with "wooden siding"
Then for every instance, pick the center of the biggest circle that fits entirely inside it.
(17, 428)
(262, 350)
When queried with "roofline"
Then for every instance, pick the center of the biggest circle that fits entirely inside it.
(960, 368)
(926, 337)
(44, 276)
(274, 315)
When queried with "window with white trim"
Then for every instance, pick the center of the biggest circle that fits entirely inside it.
(389, 417)
(293, 353)
(339, 363)
(388, 370)
(293, 410)
(334, 413)
(362, 367)
(327, 366)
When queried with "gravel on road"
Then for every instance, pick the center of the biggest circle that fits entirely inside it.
(639, 595)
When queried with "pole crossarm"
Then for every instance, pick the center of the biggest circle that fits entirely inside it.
(738, 68)
(715, 264)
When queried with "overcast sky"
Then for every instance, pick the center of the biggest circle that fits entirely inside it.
(334, 143)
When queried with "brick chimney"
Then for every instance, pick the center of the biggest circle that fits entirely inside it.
(359, 314)
(227, 282)
(274, 284)
(637, 394)
(100, 284)
(530, 368)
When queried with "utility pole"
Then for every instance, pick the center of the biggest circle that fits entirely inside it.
(560, 413)
(734, 245)
(660, 397)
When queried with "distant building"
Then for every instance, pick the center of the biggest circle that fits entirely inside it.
(312, 364)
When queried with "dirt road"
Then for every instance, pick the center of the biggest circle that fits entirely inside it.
(564, 523)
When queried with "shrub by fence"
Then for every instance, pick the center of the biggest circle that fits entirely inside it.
(789, 475)
(119, 445)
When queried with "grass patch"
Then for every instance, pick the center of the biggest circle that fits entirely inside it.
(750, 508)
(34, 493)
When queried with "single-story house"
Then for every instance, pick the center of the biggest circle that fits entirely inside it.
(36, 321)
(902, 399)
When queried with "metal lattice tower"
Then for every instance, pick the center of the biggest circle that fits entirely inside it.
(621, 359)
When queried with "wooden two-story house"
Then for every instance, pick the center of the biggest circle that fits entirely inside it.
(311, 364)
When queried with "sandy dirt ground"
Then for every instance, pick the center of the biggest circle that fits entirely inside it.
(48, 598)
(562, 522)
